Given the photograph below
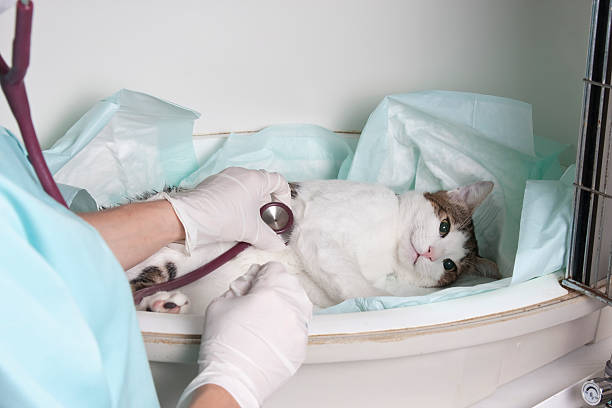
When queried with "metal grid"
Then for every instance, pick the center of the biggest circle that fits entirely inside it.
(590, 261)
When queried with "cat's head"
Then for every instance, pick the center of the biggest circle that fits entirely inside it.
(437, 242)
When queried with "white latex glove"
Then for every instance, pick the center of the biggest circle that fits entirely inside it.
(225, 207)
(255, 335)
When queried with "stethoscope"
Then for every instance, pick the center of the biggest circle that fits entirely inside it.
(276, 215)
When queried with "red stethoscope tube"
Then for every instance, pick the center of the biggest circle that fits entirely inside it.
(11, 80)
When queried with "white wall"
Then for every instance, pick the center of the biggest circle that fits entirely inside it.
(248, 64)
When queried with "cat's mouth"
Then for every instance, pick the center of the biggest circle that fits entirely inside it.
(413, 255)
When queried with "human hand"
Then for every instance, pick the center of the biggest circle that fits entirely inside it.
(225, 207)
(255, 335)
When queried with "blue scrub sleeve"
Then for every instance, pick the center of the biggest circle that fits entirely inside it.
(70, 335)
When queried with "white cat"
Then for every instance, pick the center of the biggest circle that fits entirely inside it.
(349, 240)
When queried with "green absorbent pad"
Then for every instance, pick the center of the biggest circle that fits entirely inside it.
(423, 141)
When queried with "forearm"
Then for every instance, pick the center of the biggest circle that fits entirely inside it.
(138, 230)
(212, 396)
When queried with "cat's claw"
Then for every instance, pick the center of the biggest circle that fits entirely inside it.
(165, 302)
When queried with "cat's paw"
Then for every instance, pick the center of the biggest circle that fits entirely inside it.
(165, 302)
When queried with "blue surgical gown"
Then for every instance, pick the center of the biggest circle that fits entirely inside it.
(69, 335)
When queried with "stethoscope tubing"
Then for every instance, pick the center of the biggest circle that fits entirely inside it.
(11, 80)
(193, 275)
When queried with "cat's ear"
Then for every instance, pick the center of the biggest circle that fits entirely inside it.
(473, 194)
(486, 268)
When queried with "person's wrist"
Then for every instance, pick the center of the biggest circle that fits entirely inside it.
(225, 377)
(173, 225)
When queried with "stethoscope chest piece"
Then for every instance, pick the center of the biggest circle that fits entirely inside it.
(278, 217)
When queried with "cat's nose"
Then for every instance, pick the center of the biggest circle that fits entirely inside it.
(428, 254)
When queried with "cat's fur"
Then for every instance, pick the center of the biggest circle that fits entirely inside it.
(349, 240)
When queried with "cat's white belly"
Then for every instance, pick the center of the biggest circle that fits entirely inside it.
(346, 236)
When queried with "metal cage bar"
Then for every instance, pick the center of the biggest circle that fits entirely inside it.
(591, 239)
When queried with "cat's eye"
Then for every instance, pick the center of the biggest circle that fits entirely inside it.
(444, 227)
(448, 264)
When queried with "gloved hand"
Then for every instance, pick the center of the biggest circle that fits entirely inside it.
(225, 207)
(255, 335)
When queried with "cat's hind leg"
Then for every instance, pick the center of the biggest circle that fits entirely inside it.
(165, 302)
(153, 275)
(163, 266)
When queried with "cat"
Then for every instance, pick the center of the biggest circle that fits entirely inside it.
(349, 240)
